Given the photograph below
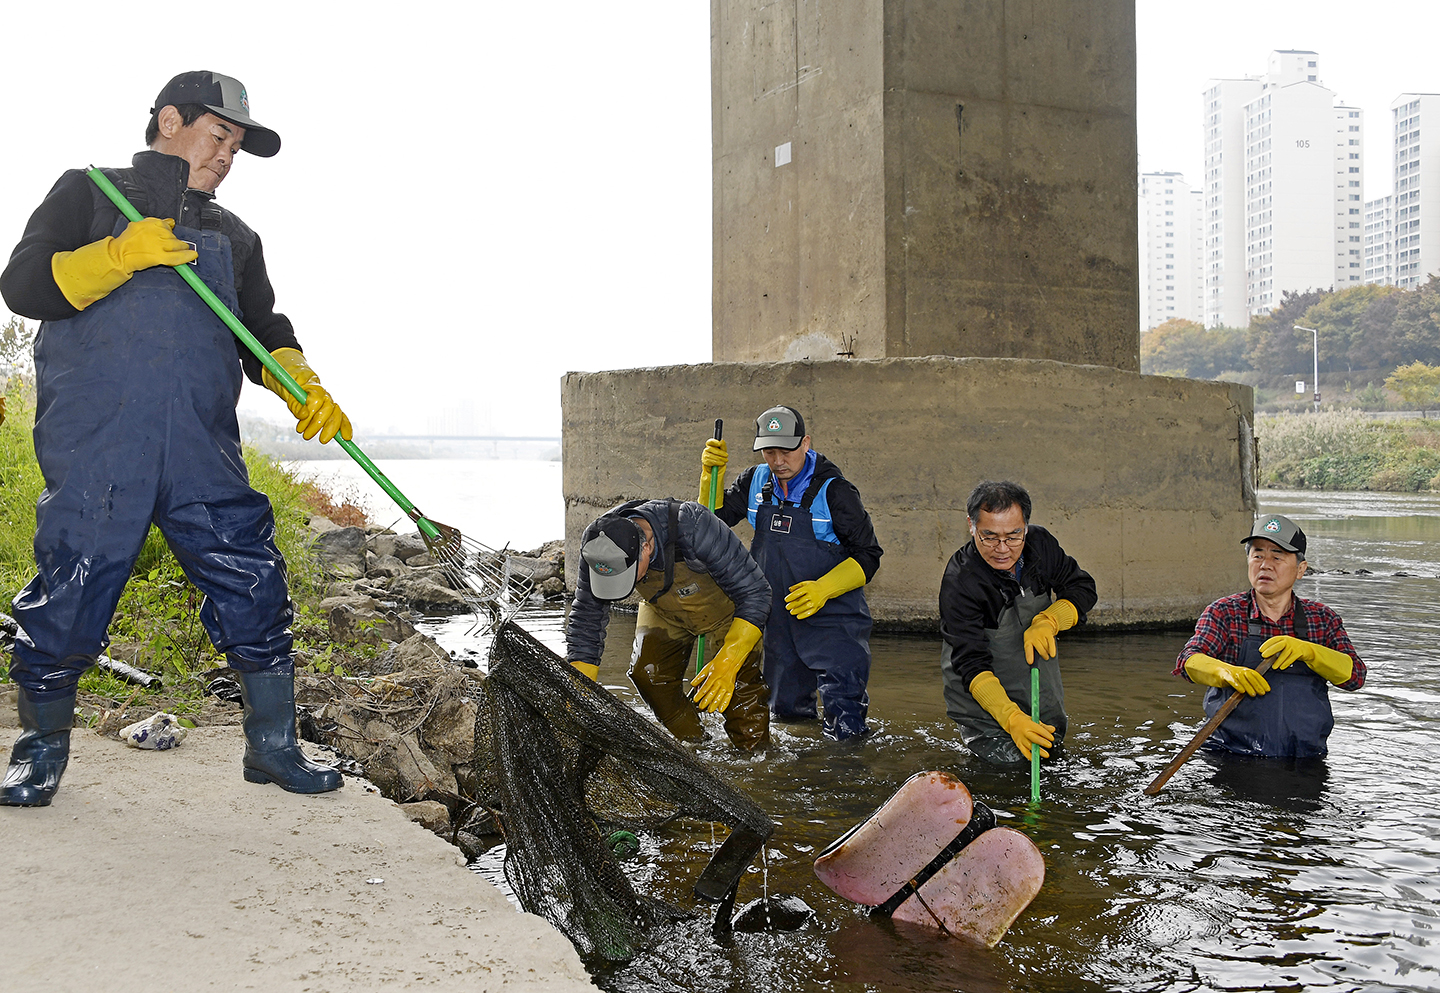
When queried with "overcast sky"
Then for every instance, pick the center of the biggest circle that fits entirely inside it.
(474, 198)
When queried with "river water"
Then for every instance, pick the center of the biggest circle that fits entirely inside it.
(1240, 876)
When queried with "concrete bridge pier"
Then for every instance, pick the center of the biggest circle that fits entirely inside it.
(926, 240)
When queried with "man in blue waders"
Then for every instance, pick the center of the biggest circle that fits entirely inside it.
(1004, 597)
(1286, 711)
(137, 382)
(816, 545)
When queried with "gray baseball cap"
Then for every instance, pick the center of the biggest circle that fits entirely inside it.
(225, 97)
(1281, 530)
(611, 549)
(779, 427)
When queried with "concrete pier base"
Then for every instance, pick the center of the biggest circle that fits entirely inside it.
(1148, 481)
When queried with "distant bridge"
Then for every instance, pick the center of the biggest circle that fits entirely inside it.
(462, 437)
(495, 440)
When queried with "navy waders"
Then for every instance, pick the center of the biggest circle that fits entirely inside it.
(1293, 720)
(828, 651)
(135, 423)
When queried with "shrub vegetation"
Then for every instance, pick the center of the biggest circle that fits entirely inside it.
(159, 610)
(1344, 450)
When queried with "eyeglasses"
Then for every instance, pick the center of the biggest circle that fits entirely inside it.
(990, 540)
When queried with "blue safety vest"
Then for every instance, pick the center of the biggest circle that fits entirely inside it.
(762, 490)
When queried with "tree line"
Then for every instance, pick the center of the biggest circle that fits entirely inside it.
(1365, 329)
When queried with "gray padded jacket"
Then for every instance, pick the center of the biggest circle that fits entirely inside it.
(703, 543)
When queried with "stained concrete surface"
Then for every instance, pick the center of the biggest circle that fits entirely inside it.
(166, 870)
(960, 180)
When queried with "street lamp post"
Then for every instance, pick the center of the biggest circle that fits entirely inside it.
(1315, 354)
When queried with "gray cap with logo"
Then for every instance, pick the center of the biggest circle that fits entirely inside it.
(779, 427)
(1281, 530)
(611, 551)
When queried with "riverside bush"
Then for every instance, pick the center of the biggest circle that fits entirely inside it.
(1305, 436)
(159, 610)
(1344, 450)
(20, 486)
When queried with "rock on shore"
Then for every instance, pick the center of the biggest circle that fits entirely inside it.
(409, 722)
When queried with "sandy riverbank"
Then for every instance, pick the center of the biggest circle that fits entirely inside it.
(157, 870)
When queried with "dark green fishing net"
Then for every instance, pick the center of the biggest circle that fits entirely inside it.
(567, 765)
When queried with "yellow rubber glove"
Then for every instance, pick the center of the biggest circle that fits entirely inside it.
(587, 669)
(714, 459)
(1206, 671)
(320, 413)
(1326, 663)
(93, 271)
(1040, 635)
(806, 598)
(717, 679)
(988, 692)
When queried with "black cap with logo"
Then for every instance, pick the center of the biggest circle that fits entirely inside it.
(225, 97)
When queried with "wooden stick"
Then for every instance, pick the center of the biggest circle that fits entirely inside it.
(1206, 731)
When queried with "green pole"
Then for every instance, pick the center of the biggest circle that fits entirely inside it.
(266, 359)
(1034, 748)
(709, 505)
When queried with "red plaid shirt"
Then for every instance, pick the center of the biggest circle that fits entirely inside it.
(1224, 626)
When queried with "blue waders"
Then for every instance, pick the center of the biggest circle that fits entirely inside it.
(828, 651)
(135, 423)
(1293, 720)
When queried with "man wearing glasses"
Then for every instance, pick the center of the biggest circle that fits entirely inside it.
(1005, 596)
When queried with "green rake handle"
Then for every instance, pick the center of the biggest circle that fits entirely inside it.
(1034, 748)
(710, 505)
(268, 361)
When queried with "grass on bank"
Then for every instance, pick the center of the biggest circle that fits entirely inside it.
(1344, 450)
(158, 618)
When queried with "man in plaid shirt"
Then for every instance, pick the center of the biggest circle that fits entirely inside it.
(1287, 715)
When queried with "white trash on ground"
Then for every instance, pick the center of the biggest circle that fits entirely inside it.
(159, 732)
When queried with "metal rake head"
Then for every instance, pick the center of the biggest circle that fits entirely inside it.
(482, 576)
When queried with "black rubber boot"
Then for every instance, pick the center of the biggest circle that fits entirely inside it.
(41, 752)
(272, 752)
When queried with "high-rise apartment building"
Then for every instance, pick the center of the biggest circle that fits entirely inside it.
(1416, 244)
(1291, 216)
(1171, 250)
(1401, 249)
(1224, 186)
(1379, 240)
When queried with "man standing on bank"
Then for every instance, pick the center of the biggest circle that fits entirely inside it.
(817, 547)
(137, 382)
(1005, 596)
(1285, 712)
(694, 578)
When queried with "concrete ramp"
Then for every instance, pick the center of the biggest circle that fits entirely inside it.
(166, 870)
